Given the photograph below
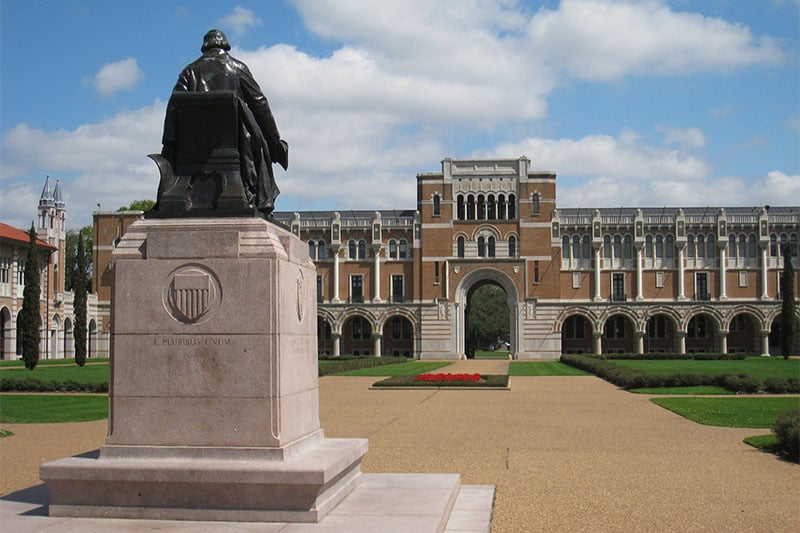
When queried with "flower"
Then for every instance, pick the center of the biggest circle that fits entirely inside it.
(448, 378)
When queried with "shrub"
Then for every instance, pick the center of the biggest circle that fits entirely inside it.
(787, 429)
(336, 365)
(738, 383)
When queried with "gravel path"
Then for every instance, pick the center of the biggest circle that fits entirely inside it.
(565, 453)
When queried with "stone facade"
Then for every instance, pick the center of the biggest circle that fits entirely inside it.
(577, 280)
(56, 302)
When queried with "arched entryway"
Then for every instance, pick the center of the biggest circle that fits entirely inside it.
(54, 349)
(463, 292)
(91, 343)
(744, 334)
(701, 334)
(324, 336)
(6, 349)
(776, 336)
(619, 334)
(398, 337)
(660, 334)
(576, 335)
(69, 340)
(357, 336)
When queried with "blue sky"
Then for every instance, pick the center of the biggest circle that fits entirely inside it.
(631, 103)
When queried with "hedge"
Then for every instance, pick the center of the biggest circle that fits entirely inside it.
(337, 365)
(630, 378)
(703, 356)
(787, 429)
(34, 385)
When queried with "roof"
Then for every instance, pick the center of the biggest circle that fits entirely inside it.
(16, 234)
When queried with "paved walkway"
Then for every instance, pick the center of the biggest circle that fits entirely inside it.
(492, 367)
(565, 453)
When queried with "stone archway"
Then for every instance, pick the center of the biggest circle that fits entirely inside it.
(463, 291)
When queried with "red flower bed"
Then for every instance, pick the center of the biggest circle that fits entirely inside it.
(448, 378)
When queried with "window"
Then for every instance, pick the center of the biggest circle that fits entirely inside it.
(5, 276)
(436, 205)
(669, 248)
(481, 208)
(536, 272)
(401, 328)
(393, 249)
(316, 250)
(312, 250)
(460, 247)
(491, 208)
(362, 249)
(743, 278)
(659, 279)
(535, 205)
(565, 247)
(751, 246)
(397, 287)
(690, 249)
(657, 327)
(618, 287)
(648, 247)
(574, 327)
(501, 207)
(512, 203)
(615, 327)
(481, 247)
(319, 289)
(773, 245)
(470, 207)
(351, 249)
(701, 286)
(697, 328)
(403, 249)
(361, 328)
(321, 252)
(512, 246)
(357, 288)
(436, 272)
(323, 329)
(491, 246)
(738, 323)
(460, 210)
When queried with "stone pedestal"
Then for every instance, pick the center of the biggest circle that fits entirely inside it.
(214, 405)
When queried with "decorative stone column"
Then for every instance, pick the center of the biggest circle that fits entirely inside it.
(723, 341)
(376, 295)
(723, 283)
(764, 291)
(681, 342)
(764, 343)
(337, 344)
(597, 342)
(376, 338)
(597, 254)
(335, 280)
(639, 266)
(681, 270)
(639, 342)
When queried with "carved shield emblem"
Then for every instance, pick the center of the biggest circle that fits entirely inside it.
(191, 293)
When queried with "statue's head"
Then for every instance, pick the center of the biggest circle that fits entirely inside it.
(215, 39)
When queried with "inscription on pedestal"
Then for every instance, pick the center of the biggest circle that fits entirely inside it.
(192, 341)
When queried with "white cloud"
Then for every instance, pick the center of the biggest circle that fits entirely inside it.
(240, 20)
(608, 39)
(118, 76)
(683, 137)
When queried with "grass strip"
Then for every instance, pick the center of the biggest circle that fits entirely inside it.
(52, 408)
(763, 442)
(543, 368)
(730, 412)
(19, 363)
(757, 367)
(410, 368)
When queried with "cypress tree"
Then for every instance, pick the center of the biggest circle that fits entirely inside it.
(788, 321)
(79, 304)
(29, 321)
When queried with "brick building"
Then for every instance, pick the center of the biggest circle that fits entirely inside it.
(56, 303)
(397, 282)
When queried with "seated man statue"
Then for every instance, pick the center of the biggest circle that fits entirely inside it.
(251, 183)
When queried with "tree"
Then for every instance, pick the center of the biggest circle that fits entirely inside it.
(788, 321)
(29, 321)
(71, 256)
(487, 316)
(139, 205)
(79, 305)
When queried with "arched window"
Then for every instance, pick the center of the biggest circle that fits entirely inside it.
(321, 251)
(751, 246)
(362, 249)
(732, 245)
(670, 247)
(576, 247)
(648, 246)
(535, 201)
(392, 249)
(470, 207)
(690, 249)
(793, 244)
(617, 247)
(773, 245)
(512, 246)
(742, 245)
(351, 249)
(436, 205)
(491, 246)
(481, 207)
(628, 247)
(481, 247)
(460, 247)
(312, 250)
(565, 247)
(403, 248)
(491, 208)
(607, 247)
(512, 207)
(501, 207)
(460, 207)
(701, 246)
(659, 247)
(711, 249)
(587, 248)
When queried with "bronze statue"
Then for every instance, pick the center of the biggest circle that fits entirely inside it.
(220, 140)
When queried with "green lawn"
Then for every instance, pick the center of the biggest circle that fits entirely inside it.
(758, 367)
(483, 354)
(49, 362)
(543, 368)
(701, 390)
(50, 408)
(411, 368)
(730, 412)
(91, 373)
